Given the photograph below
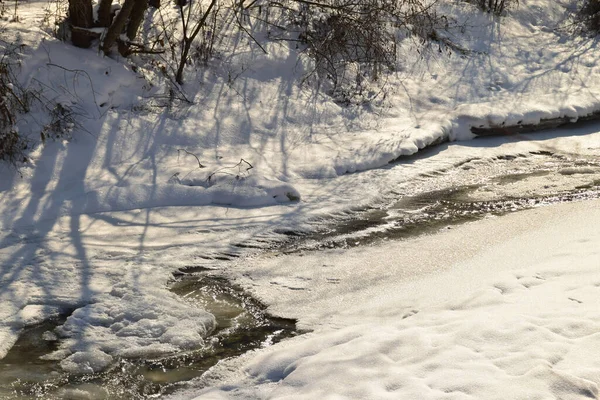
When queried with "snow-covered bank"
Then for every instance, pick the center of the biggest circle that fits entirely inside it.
(519, 69)
(500, 308)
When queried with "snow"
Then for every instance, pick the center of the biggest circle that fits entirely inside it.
(500, 308)
(242, 189)
(129, 323)
(86, 362)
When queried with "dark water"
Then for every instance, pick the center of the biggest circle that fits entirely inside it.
(430, 211)
(242, 325)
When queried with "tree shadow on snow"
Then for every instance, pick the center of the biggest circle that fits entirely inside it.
(50, 250)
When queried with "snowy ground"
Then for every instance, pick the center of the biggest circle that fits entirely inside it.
(99, 224)
(503, 308)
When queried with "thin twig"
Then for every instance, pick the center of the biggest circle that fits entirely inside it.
(220, 170)
(249, 165)
(77, 72)
(248, 33)
(191, 154)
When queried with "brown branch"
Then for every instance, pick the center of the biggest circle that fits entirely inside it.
(116, 27)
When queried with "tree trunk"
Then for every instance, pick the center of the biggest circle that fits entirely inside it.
(113, 33)
(187, 43)
(136, 17)
(80, 14)
(104, 13)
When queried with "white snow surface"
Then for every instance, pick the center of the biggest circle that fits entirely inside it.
(97, 225)
(503, 308)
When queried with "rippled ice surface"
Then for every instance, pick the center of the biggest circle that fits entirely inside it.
(471, 189)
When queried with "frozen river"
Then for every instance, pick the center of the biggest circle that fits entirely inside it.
(469, 186)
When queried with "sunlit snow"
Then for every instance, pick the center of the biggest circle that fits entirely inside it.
(505, 307)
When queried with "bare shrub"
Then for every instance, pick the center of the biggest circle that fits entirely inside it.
(350, 47)
(178, 37)
(191, 27)
(349, 44)
(55, 20)
(352, 43)
(12, 101)
(18, 103)
(3, 9)
(589, 16)
(496, 7)
(61, 123)
(9, 11)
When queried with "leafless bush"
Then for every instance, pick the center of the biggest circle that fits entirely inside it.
(12, 101)
(3, 10)
(61, 124)
(55, 19)
(191, 27)
(9, 11)
(496, 7)
(588, 16)
(56, 120)
(185, 36)
(352, 43)
(351, 46)
(178, 37)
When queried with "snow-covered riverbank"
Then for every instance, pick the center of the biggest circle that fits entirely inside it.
(503, 308)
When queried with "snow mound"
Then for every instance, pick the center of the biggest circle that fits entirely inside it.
(240, 189)
(129, 322)
(87, 83)
(197, 188)
(86, 362)
(36, 313)
(193, 190)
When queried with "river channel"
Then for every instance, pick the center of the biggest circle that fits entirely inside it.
(486, 188)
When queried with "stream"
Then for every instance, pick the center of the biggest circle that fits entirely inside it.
(473, 189)
(477, 188)
(242, 326)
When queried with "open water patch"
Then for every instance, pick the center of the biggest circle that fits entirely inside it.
(243, 325)
(473, 190)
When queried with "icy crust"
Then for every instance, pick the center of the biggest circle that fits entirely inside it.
(118, 312)
(129, 323)
(486, 115)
